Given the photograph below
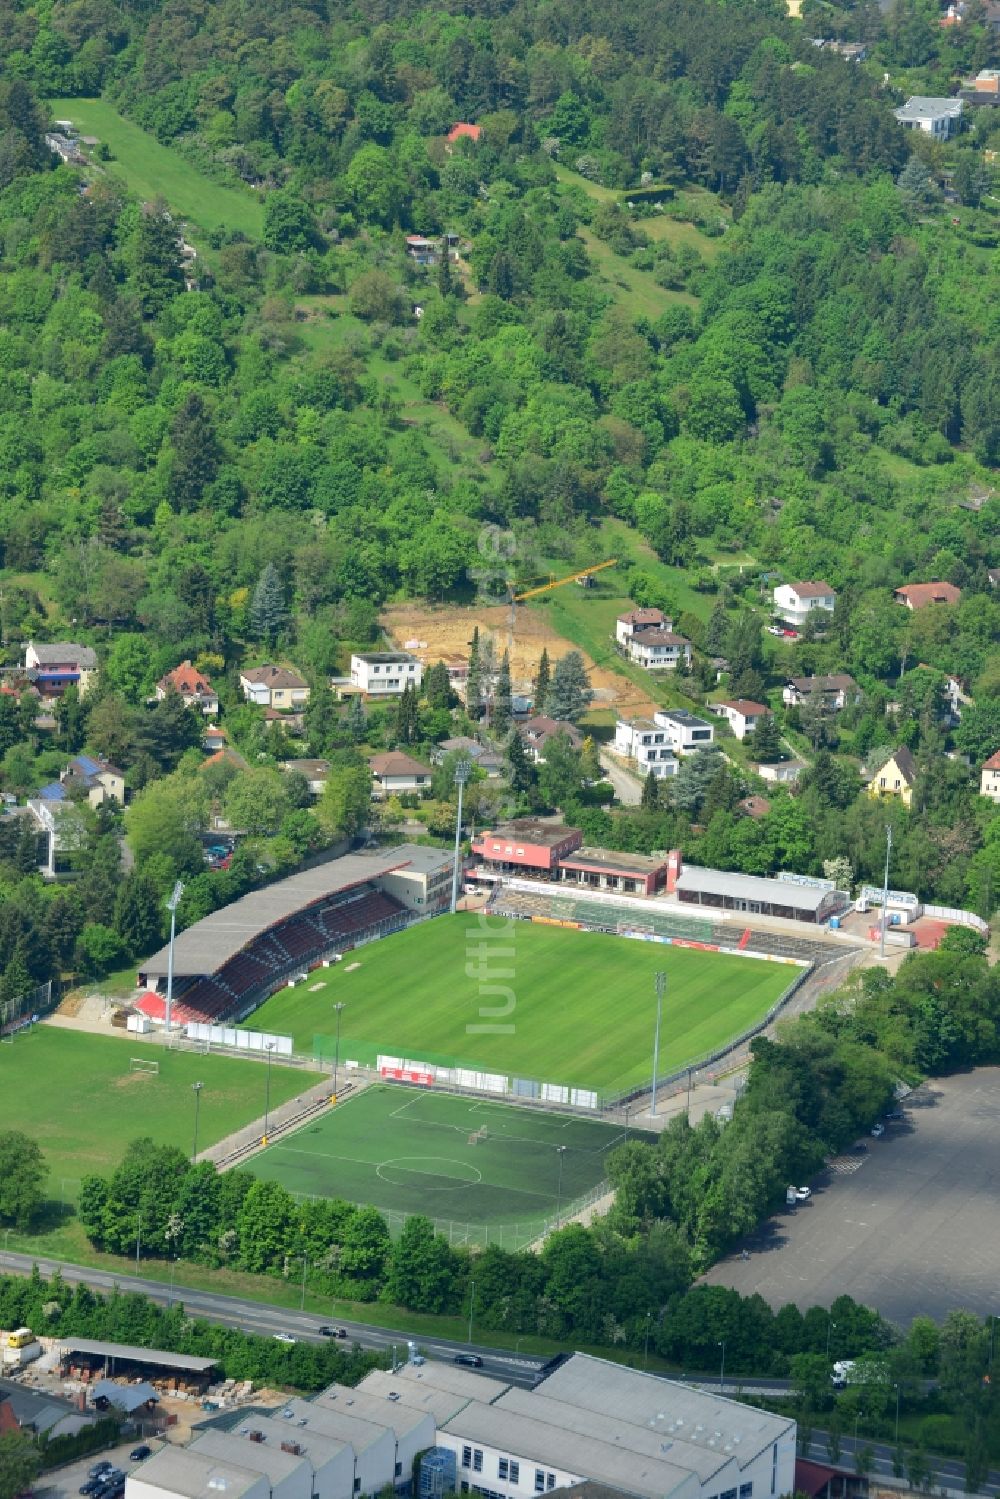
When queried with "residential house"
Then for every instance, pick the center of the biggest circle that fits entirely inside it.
(989, 783)
(536, 733)
(395, 771)
(754, 806)
(984, 89)
(795, 602)
(741, 714)
(66, 149)
(315, 772)
(626, 625)
(781, 773)
(685, 731)
(385, 673)
(896, 777)
(659, 650)
(919, 595)
(51, 807)
(214, 738)
(101, 782)
(53, 668)
(274, 687)
(836, 690)
(462, 130)
(193, 686)
(994, 577)
(939, 118)
(642, 740)
(423, 251)
(483, 758)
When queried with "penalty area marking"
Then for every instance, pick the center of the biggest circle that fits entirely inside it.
(406, 1170)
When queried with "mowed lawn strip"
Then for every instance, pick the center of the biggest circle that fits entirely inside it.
(153, 170)
(583, 1008)
(409, 1151)
(75, 1095)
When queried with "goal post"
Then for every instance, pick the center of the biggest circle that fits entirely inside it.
(144, 1067)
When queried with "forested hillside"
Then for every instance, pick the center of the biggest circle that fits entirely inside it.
(708, 302)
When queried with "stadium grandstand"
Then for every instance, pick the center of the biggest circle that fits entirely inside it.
(225, 964)
(653, 921)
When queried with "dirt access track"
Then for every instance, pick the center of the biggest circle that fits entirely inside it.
(445, 631)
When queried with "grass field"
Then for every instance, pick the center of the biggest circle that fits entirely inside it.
(407, 1150)
(75, 1095)
(583, 1001)
(152, 170)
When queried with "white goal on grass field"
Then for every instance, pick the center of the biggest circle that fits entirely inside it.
(141, 1065)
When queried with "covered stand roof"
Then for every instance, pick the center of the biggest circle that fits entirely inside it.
(210, 943)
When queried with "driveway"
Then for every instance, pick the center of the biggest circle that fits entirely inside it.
(627, 789)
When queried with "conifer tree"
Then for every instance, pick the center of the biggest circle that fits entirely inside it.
(542, 682)
(267, 605)
(502, 709)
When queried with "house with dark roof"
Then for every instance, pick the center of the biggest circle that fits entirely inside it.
(536, 732)
(896, 777)
(53, 668)
(193, 686)
(836, 690)
(627, 624)
(395, 771)
(275, 687)
(659, 649)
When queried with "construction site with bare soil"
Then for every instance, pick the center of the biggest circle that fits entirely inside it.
(442, 632)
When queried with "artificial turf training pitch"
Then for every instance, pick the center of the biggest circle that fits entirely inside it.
(409, 1150)
(583, 1007)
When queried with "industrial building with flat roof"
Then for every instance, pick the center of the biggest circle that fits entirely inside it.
(588, 1420)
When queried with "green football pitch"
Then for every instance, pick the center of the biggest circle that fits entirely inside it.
(409, 1150)
(576, 1008)
(75, 1094)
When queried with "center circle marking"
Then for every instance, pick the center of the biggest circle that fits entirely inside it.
(409, 1166)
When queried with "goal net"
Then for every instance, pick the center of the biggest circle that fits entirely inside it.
(141, 1065)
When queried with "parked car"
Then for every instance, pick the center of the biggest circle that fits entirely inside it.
(878, 1130)
(140, 1453)
(471, 1360)
(92, 1485)
(104, 1466)
(895, 1114)
(802, 1194)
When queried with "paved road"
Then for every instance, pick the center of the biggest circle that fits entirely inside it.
(254, 1316)
(945, 1472)
(627, 789)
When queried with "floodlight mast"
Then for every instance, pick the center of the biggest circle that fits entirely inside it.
(463, 770)
(173, 902)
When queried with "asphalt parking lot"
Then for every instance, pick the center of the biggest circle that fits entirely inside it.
(913, 1229)
(65, 1483)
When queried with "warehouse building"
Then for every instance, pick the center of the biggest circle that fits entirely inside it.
(587, 1421)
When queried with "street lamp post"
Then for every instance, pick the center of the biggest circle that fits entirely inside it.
(463, 770)
(645, 1354)
(661, 984)
(885, 892)
(897, 1415)
(172, 904)
(138, 1242)
(560, 1152)
(302, 1300)
(269, 1048)
(472, 1303)
(196, 1089)
(338, 1007)
(722, 1370)
(830, 1325)
(6, 1236)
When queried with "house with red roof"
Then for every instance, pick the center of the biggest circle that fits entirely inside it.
(989, 783)
(193, 686)
(742, 715)
(919, 595)
(463, 131)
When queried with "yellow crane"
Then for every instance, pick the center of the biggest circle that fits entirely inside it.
(531, 593)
